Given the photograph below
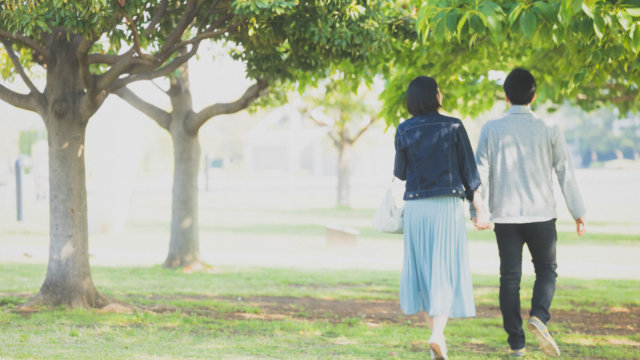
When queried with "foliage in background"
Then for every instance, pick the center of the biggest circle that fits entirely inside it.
(603, 134)
(347, 110)
(585, 52)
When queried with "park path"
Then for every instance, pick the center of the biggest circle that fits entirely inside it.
(575, 261)
(270, 203)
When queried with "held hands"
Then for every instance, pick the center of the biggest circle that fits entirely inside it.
(581, 225)
(481, 220)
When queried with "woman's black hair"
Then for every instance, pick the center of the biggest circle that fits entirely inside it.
(422, 96)
(520, 87)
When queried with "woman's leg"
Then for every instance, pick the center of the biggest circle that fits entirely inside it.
(429, 321)
(437, 330)
(437, 343)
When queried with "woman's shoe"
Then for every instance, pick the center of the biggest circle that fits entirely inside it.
(438, 349)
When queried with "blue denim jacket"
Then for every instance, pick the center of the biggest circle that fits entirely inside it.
(434, 156)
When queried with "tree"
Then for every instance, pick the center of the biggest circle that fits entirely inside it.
(581, 51)
(347, 112)
(285, 46)
(65, 38)
(602, 134)
(90, 49)
(183, 124)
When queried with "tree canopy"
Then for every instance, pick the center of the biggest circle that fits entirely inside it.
(582, 51)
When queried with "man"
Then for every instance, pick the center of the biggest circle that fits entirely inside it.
(516, 156)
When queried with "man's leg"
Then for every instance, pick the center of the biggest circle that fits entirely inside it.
(510, 244)
(541, 240)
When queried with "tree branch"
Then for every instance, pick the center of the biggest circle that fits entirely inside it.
(251, 94)
(159, 88)
(142, 67)
(16, 64)
(196, 39)
(331, 133)
(156, 17)
(34, 45)
(136, 39)
(125, 61)
(103, 59)
(160, 116)
(362, 131)
(178, 31)
(163, 71)
(83, 60)
(221, 20)
(211, 10)
(28, 102)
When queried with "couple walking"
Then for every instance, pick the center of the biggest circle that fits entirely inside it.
(510, 180)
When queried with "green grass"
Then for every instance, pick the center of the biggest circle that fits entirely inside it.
(204, 322)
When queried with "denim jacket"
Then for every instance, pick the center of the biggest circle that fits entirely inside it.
(434, 156)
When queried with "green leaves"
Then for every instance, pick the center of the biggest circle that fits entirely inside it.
(633, 11)
(492, 16)
(452, 21)
(546, 11)
(635, 39)
(578, 50)
(528, 23)
(515, 12)
(440, 21)
(354, 37)
(624, 18)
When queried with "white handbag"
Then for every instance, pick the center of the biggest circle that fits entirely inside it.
(388, 217)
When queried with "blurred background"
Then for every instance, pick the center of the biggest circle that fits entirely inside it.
(268, 184)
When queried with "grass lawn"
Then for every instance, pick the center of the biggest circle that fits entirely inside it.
(256, 313)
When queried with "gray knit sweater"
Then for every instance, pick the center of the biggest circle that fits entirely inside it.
(516, 156)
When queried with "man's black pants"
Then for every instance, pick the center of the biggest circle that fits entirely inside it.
(541, 238)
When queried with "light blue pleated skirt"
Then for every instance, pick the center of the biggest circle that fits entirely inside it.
(436, 277)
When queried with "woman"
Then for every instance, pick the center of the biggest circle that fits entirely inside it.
(434, 156)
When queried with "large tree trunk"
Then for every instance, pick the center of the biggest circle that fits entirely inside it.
(184, 246)
(344, 174)
(68, 280)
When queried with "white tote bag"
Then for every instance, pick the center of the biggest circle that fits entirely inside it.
(388, 217)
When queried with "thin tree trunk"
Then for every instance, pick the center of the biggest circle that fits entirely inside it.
(68, 279)
(184, 246)
(183, 126)
(344, 174)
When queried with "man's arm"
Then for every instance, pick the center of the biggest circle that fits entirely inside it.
(481, 196)
(567, 180)
(466, 163)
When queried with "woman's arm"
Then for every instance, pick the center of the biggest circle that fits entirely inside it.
(400, 164)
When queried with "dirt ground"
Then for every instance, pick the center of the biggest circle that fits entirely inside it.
(374, 313)
(612, 321)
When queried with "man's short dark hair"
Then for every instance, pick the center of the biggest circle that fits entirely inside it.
(422, 95)
(520, 86)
